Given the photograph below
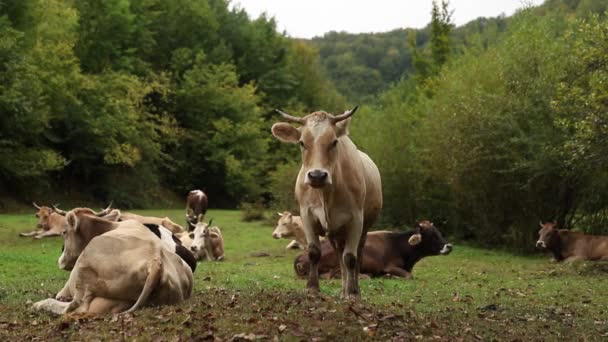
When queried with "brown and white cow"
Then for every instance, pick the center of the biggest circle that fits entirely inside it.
(208, 242)
(384, 253)
(290, 227)
(566, 245)
(49, 223)
(196, 207)
(117, 266)
(338, 190)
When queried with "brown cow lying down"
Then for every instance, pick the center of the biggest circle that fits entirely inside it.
(117, 266)
(384, 253)
(159, 221)
(570, 246)
(290, 227)
(49, 223)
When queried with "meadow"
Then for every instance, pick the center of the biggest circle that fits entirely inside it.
(471, 294)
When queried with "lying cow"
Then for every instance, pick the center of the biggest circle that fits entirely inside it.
(49, 223)
(290, 226)
(570, 246)
(159, 221)
(208, 242)
(384, 253)
(117, 266)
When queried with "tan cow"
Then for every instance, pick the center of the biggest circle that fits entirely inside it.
(123, 268)
(208, 242)
(338, 189)
(568, 246)
(288, 227)
(49, 223)
(161, 221)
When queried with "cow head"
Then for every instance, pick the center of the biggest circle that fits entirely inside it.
(428, 238)
(44, 217)
(284, 228)
(199, 236)
(319, 139)
(547, 235)
(82, 225)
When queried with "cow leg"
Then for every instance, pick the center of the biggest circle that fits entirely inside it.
(398, 272)
(51, 305)
(351, 251)
(102, 306)
(64, 295)
(574, 258)
(46, 234)
(314, 251)
(293, 245)
(32, 233)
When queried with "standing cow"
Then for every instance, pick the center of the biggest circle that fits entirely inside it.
(196, 205)
(338, 189)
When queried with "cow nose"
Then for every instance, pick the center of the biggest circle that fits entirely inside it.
(540, 244)
(447, 248)
(276, 236)
(193, 248)
(317, 176)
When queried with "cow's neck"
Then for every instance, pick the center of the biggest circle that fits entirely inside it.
(101, 227)
(560, 248)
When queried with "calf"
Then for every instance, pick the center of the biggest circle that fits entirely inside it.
(290, 226)
(385, 253)
(208, 242)
(196, 207)
(570, 246)
(49, 223)
(117, 266)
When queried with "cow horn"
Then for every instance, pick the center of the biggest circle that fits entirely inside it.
(344, 116)
(105, 211)
(57, 210)
(36, 205)
(541, 223)
(290, 117)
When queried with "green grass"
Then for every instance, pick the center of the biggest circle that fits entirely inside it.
(472, 294)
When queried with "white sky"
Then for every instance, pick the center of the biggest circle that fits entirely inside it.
(309, 18)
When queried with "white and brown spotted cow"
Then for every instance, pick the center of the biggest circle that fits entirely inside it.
(116, 267)
(208, 242)
(338, 189)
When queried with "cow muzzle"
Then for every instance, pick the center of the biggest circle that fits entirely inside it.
(317, 178)
(541, 244)
(276, 235)
(447, 249)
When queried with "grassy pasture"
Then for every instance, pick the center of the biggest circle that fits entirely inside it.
(472, 294)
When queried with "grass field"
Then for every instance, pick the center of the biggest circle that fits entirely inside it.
(472, 294)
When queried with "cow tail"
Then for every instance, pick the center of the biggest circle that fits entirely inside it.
(154, 273)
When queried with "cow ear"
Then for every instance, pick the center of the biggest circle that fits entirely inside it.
(342, 127)
(72, 220)
(415, 239)
(286, 132)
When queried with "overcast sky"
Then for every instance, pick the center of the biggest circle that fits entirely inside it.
(309, 18)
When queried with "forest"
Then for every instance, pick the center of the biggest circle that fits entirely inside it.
(486, 129)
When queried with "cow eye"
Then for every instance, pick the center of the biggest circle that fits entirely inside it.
(302, 144)
(334, 143)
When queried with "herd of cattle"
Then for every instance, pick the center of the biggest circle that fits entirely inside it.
(120, 261)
